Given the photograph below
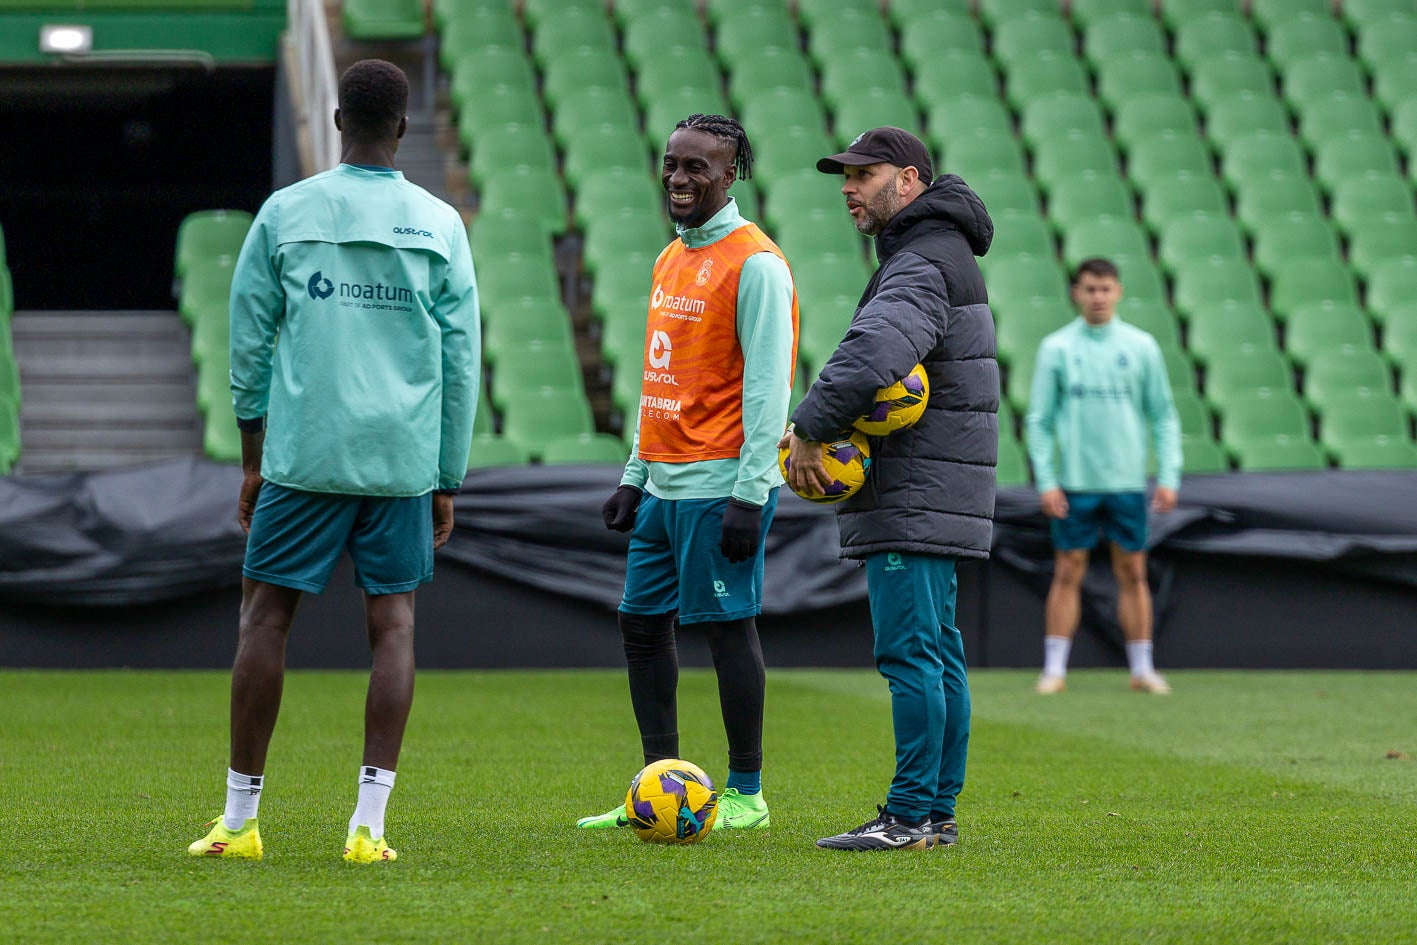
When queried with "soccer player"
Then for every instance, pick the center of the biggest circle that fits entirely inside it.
(355, 429)
(701, 485)
(929, 498)
(1099, 384)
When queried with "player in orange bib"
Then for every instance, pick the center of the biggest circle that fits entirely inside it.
(700, 489)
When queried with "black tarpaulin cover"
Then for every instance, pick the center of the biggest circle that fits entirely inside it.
(166, 530)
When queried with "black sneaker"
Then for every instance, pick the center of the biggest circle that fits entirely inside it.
(885, 832)
(945, 829)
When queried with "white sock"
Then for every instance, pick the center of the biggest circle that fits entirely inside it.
(1055, 655)
(374, 787)
(243, 798)
(1139, 657)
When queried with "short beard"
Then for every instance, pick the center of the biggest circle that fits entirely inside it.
(880, 211)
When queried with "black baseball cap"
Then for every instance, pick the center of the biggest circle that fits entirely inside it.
(892, 145)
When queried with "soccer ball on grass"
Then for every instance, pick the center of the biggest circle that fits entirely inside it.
(671, 801)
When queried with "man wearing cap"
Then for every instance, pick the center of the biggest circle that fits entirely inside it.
(929, 499)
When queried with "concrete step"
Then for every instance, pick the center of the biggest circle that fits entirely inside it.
(39, 326)
(75, 458)
(74, 414)
(138, 366)
(176, 391)
(117, 438)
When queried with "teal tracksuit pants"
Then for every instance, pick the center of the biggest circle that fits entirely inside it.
(921, 655)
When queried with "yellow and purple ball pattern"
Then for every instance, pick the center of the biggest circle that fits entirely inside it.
(671, 801)
(898, 405)
(847, 462)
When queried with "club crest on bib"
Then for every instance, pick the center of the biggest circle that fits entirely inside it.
(705, 271)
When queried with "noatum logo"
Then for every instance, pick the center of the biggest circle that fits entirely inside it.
(321, 288)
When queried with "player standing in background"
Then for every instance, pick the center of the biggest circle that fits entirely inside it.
(1098, 385)
(701, 485)
(929, 498)
(367, 281)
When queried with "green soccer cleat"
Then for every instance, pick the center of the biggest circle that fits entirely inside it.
(742, 811)
(244, 843)
(606, 821)
(359, 847)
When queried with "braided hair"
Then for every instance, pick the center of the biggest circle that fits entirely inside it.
(726, 129)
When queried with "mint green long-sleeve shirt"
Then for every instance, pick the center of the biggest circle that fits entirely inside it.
(354, 331)
(764, 321)
(1096, 391)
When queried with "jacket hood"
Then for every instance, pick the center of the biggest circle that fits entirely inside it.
(948, 200)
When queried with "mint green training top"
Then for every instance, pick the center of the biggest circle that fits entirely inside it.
(1096, 390)
(765, 335)
(354, 330)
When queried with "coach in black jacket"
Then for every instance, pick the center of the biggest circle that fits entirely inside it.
(929, 498)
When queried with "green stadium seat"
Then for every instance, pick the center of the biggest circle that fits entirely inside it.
(793, 198)
(1317, 327)
(1211, 36)
(1023, 331)
(1246, 114)
(962, 114)
(1359, 13)
(1404, 128)
(529, 193)
(1305, 35)
(490, 451)
(585, 448)
(610, 192)
(1153, 317)
(517, 277)
(1261, 154)
(1320, 75)
(1142, 277)
(1282, 453)
(1395, 81)
(1066, 156)
(1301, 282)
(1217, 331)
(766, 70)
(531, 367)
(1121, 35)
(1126, 77)
(1256, 414)
(10, 379)
(1201, 456)
(750, 33)
(1108, 236)
(493, 235)
(627, 11)
(477, 69)
(1376, 241)
(1356, 154)
(497, 108)
(211, 339)
(783, 108)
(810, 238)
(1017, 380)
(1378, 452)
(1278, 195)
(1073, 200)
(605, 148)
(205, 233)
(1407, 389)
(1057, 115)
(586, 68)
(1140, 116)
(1400, 334)
(1388, 40)
(672, 106)
(687, 68)
(1271, 13)
(903, 12)
(511, 147)
(366, 20)
(937, 32)
(1177, 12)
(1242, 370)
(1297, 236)
(1337, 115)
(221, 438)
(571, 29)
(1012, 468)
(975, 155)
(206, 289)
(1183, 195)
(872, 109)
(591, 108)
(1021, 234)
(519, 322)
(1193, 414)
(1341, 371)
(629, 231)
(1163, 156)
(1003, 191)
(750, 200)
(1017, 282)
(1392, 285)
(1199, 236)
(1021, 38)
(540, 12)
(955, 73)
(1224, 77)
(848, 75)
(1008, 421)
(1087, 12)
(1360, 415)
(1370, 196)
(996, 12)
(846, 32)
(1044, 74)
(793, 151)
(722, 11)
(462, 32)
(668, 33)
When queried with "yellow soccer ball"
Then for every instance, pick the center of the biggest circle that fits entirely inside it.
(898, 405)
(671, 801)
(846, 460)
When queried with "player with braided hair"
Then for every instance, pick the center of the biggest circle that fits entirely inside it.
(699, 491)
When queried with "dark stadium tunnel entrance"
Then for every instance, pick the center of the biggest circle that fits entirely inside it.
(102, 163)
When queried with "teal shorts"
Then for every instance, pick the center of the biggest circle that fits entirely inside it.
(675, 563)
(1120, 517)
(297, 538)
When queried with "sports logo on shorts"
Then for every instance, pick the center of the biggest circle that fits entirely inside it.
(705, 271)
(659, 350)
(319, 287)
(720, 589)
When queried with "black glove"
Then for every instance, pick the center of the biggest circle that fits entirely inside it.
(741, 524)
(619, 509)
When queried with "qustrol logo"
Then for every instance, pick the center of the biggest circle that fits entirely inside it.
(411, 231)
(660, 350)
(320, 287)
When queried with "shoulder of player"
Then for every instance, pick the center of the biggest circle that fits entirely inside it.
(1131, 334)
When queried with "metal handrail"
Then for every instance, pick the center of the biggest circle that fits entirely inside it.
(318, 92)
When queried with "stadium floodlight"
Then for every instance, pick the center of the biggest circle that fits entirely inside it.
(65, 38)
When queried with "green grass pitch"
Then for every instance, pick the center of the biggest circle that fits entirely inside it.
(1247, 807)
